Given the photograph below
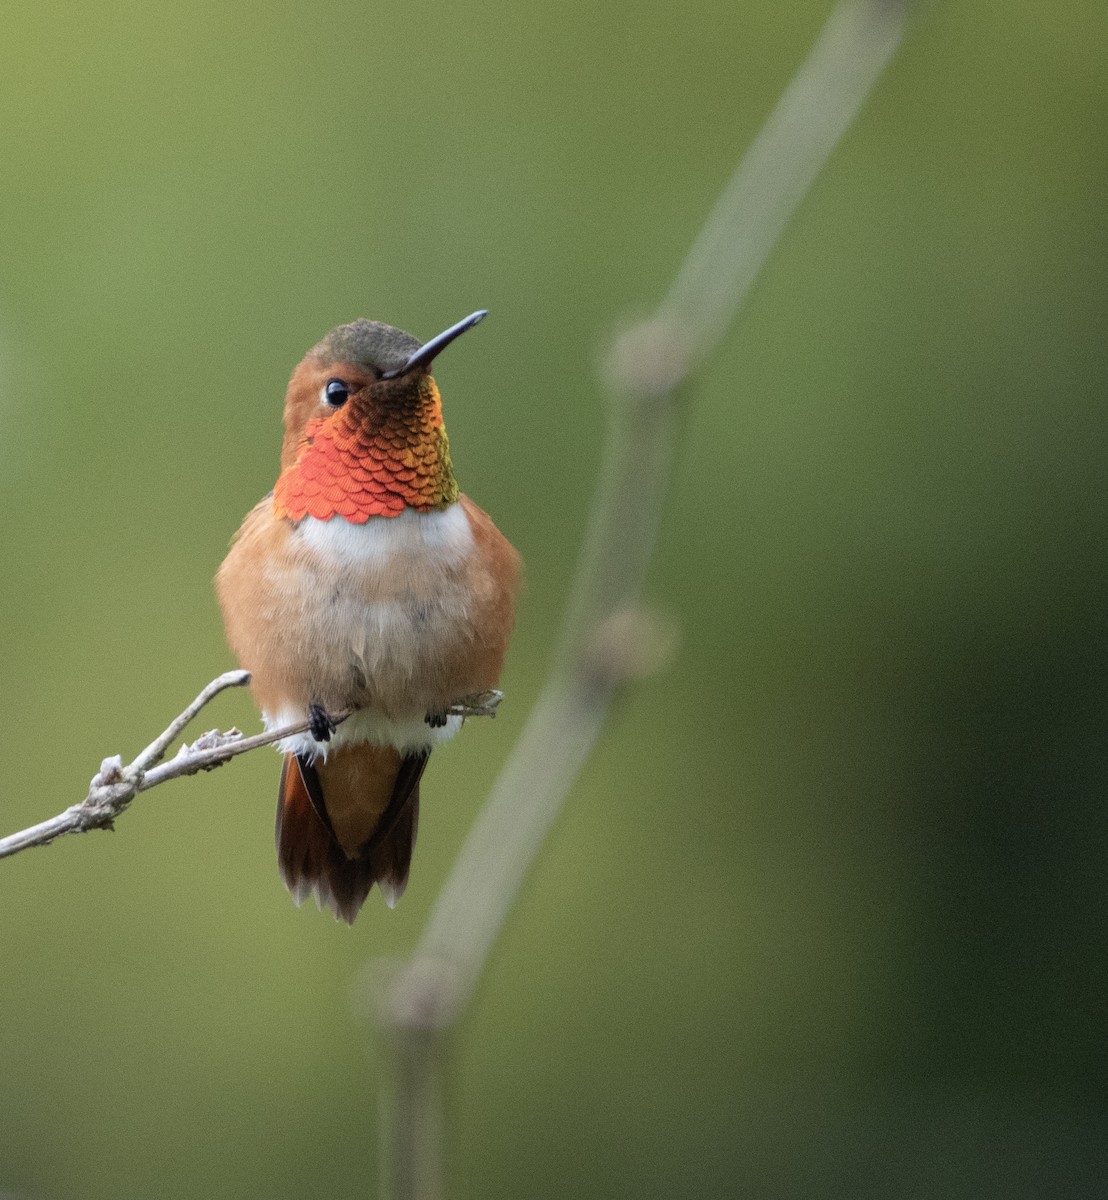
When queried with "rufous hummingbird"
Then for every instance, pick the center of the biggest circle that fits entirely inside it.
(365, 582)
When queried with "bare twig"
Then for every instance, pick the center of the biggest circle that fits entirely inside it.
(649, 364)
(114, 786)
(155, 752)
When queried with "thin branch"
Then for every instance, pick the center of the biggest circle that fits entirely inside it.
(779, 168)
(605, 637)
(114, 786)
(155, 752)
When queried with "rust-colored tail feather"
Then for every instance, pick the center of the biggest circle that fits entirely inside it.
(310, 854)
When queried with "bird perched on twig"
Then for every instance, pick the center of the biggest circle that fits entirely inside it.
(365, 582)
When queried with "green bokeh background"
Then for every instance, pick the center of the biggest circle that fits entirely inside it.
(827, 914)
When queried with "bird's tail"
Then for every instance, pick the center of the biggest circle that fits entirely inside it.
(348, 823)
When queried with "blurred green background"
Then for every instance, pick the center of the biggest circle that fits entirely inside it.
(827, 916)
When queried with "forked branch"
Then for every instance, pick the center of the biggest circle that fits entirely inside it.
(115, 785)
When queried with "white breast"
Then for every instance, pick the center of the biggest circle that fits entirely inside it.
(412, 561)
(436, 538)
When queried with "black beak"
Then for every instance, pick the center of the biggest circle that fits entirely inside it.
(430, 349)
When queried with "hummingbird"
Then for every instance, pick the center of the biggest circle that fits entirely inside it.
(364, 583)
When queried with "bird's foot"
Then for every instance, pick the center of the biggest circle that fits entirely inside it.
(436, 719)
(320, 724)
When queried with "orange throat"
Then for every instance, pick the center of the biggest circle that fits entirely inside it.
(366, 460)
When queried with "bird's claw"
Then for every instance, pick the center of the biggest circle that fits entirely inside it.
(320, 725)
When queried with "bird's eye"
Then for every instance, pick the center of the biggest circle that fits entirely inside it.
(336, 393)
